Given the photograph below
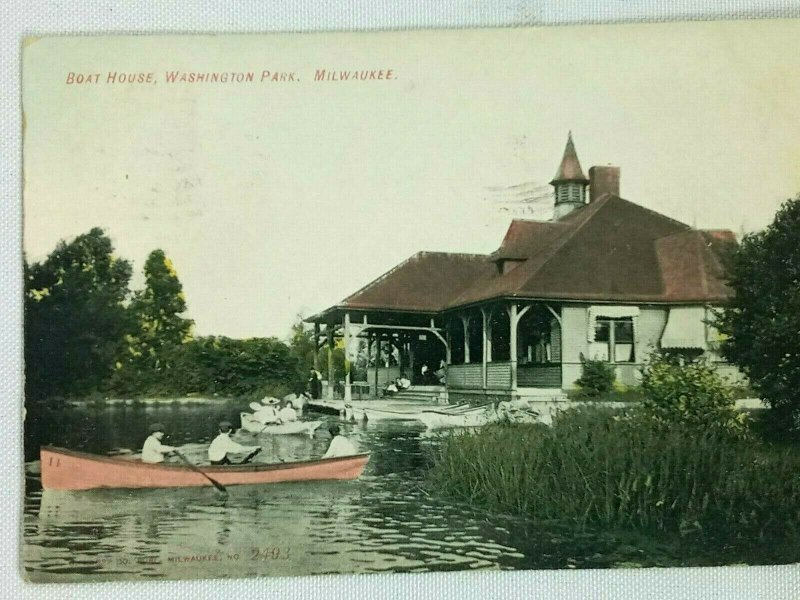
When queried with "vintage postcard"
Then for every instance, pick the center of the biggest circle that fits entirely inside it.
(312, 304)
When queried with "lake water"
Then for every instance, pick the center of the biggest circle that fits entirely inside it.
(388, 520)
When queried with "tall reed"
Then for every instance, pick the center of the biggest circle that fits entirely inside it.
(596, 467)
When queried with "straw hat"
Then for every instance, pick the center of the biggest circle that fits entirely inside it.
(270, 400)
(254, 406)
(156, 427)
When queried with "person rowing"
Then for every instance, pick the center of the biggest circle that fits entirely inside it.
(153, 451)
(340, 445)
(223, 445)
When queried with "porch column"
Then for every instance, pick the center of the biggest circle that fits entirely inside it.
(447, 352)
(316, 346)
(513, 319)
(401, 346)
(485, 321)
(348, 395)
(377, 360)
(465, 323)
(329, 332)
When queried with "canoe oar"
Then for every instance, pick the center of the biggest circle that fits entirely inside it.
(216, 483)
(250, 456)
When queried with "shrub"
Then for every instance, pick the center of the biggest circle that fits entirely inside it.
(597, 378)
(689, 394)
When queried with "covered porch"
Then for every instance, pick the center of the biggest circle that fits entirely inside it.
(380, 347)
(506, 348)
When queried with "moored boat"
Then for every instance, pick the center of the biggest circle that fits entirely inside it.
(375, 414)
(474, 418)
(292, 427)
(72, 470)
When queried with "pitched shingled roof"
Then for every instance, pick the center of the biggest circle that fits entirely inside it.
(610, 250)
(425, 282)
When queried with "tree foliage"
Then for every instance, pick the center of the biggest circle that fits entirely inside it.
(85, 332)
(75, 316)
(762, 321)
(157, 327)
(301, 342)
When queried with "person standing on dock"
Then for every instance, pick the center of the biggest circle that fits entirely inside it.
(153, 451)
(223, 445)
(340, 445)
(315, 384)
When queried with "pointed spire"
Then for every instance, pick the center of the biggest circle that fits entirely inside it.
(570, 168)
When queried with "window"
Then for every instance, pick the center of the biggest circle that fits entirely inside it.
(613, 340)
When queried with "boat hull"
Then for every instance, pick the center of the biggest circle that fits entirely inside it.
(293, 427)
(70, 470)
(378, 414)
(440, 420)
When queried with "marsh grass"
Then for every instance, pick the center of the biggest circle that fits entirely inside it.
(597, 467)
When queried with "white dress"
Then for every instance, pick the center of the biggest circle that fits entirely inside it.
(266, 414)
(340, 446)
(287, 414)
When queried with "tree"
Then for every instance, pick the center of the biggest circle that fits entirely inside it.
(158, 326)
(301, 342)
(762, 321)
(75, 316)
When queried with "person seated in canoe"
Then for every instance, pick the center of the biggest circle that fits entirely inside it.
(222, 445)
(298, 399)
(340, 445)
(287, 413)
(268, 414)
(153, 451)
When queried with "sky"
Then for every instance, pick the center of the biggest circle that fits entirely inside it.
(279, 198)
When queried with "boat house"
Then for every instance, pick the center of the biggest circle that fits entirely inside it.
(604, 279)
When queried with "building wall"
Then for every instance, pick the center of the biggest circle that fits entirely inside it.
(574, 326)
(574, 342)
(648, 329)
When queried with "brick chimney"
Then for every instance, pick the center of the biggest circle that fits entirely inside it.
(603, 180)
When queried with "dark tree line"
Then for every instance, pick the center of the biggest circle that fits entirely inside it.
(87, 332)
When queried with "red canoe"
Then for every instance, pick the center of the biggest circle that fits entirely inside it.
(70, 470)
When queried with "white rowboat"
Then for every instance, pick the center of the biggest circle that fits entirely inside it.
(292, 427)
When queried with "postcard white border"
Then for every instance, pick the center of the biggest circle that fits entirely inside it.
(40, 17)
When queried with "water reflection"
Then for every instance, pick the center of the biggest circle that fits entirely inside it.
(385, 521)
